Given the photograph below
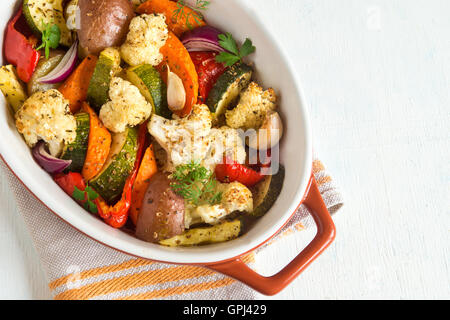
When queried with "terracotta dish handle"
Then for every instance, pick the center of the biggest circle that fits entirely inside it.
(272, 285)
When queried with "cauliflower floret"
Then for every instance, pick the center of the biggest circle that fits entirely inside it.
(224, 141)
(148, 33)
(192, 139)
(127, 107)
(252, 108)
(235, 197)
(205, 213)
(46, 116)
(185, 139)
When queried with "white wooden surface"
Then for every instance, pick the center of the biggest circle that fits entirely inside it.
(377, 76)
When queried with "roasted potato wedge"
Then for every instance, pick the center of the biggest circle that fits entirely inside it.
(162, 211)
(103, 24)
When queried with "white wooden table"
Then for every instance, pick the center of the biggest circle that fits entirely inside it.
(377, 76)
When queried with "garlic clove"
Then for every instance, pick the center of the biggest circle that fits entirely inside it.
(176, 95)
(269, 134)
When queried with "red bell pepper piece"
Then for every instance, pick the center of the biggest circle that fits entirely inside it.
(230, 171)
(208, 70)
(20, 51)
(69, 181)
(117, 215)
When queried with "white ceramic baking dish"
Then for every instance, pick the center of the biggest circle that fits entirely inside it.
(273, 69)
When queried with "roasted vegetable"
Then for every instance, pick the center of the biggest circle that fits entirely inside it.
(110, 181)
(107, 66)
(76, 151)
(176, 95)
(251, 111)
(46, 116)
(11, 87)
(222, 232)
(19, 50)
(152, 87)
(266, 192)
(179, 17)
(104, 23)
(146, 171)
(126, 107)
(208, 69)
(162, 212)
(228, 87)
(43, 68)
(269, 134)
(117, 215)
(179, 61)
(76, 86)
(230, 171)
(99, 145)
(39, 13)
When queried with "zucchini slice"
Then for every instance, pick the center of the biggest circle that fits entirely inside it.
(12, 88)
(222, 232)
(266, 192)
(110, 181)
(152, 87)
(107, 66)
(40, 12)
(228, 87)
(76, 151)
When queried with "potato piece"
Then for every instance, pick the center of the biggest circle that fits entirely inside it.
(162, 212)
(104, 23)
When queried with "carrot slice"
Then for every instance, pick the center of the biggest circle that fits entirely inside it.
(99, 143)
(147, 169)
(178, 23)
(76, 86)
(179, 61)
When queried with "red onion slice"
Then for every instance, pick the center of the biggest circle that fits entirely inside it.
(199, 45)
(48, 162)
(64, 68)
(204, 38)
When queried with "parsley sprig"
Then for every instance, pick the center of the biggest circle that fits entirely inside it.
(51, 35)
(233, 54)
(88, 195)
(196, 184)
(195, 14)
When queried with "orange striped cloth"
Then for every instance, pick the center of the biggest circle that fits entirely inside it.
(78, 267)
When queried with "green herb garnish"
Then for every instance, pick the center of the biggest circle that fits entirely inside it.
(78, 194)
(196, 13)
(233, 53)
(196, 184)
(88, 195)
(50, 38)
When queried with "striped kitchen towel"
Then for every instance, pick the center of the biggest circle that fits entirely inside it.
(78, 267)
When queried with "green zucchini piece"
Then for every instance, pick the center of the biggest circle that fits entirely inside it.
(266, 192)
(42, 12)
(76, 151)
(222, 232)
(110, 181)
(152, 87)
(228, 87)
(107, 66)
